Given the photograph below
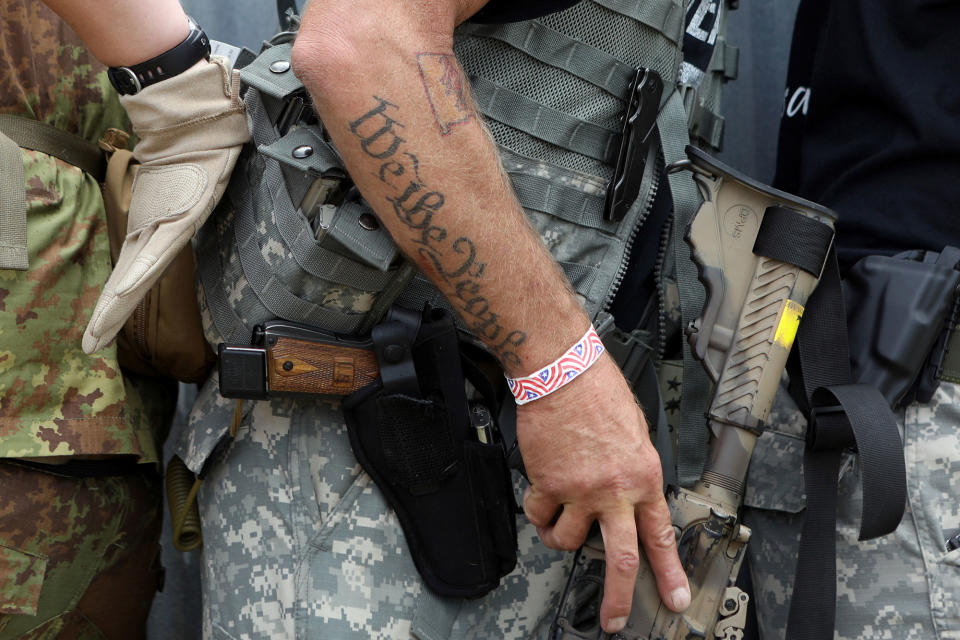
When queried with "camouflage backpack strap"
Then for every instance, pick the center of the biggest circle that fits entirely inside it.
(18, 132)
(13, 207)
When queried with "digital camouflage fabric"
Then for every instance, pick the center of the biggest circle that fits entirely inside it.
(903, 586)
(54, 399)
(299, 543)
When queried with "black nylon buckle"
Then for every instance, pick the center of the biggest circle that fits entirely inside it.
(643, 105)
(822, 439)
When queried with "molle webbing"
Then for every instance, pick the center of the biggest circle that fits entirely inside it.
(553, 92)
(554, 117)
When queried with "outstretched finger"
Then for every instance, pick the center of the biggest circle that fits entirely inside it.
(660, 545)
(622, 563)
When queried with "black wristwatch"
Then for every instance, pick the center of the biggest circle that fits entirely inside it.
(130, 80)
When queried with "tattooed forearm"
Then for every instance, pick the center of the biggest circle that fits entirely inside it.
(453, 258)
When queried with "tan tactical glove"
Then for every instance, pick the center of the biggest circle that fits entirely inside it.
(191, 129)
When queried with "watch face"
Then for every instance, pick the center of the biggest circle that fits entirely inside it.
(124, 81)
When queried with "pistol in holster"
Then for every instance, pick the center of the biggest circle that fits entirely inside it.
(437, 458)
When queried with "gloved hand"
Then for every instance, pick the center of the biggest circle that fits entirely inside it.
(191, 129)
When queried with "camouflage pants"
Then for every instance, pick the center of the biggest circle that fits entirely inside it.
(78, 556)
(904, 586)
(299, 543)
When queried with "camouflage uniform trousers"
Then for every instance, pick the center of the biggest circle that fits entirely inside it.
(78, 555)
(903, 586)
(299, 543)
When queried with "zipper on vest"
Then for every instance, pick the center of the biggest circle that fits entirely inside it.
(661, 290)
(641, 219)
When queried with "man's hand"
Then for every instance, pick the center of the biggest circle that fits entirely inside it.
(589, 457)
(191, 128)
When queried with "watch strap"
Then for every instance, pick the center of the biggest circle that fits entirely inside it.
(132, 79)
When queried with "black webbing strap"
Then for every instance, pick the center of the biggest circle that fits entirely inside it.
(789, 236)
(841, 415)
(393, 345)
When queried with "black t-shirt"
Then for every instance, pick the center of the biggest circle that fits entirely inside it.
(497, 11)
(871, 123)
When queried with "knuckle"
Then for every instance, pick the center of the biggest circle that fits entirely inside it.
(663, 539)
(567, 541)
(626, 562)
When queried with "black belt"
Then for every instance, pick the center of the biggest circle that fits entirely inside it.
(122, 466)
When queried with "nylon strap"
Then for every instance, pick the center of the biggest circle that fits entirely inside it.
(556, 49)
(271, 293)
(558, 128)
(841, 415)
(307, 254)
(791, 237)
(693, 436)
(704, 123)
(665, 17)
(573, 205)
(18, 132)
(39, 136)
(13, 207)
(727, 60)
(228, 324)
(277, 84)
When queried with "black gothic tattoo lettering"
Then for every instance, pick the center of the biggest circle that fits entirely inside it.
(419, 208)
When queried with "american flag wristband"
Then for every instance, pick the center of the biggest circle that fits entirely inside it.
(561, 371)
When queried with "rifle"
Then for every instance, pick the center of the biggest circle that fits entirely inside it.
(759, 253)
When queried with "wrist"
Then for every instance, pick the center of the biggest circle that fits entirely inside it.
(548, 332)
(574, 362)
(185, 45)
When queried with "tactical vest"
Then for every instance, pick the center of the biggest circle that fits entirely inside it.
(293, 239)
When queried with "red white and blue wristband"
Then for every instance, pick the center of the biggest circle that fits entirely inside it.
(561, 371)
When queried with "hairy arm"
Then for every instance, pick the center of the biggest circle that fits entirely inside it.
(397, 105)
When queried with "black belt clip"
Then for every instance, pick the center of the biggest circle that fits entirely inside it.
(639, 123)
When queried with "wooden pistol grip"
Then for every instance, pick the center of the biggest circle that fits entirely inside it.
(299, 366)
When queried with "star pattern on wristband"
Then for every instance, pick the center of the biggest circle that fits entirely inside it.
(561, 371)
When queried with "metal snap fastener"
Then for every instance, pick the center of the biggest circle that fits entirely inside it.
(304, 151)
(280, 66)
(368, 221)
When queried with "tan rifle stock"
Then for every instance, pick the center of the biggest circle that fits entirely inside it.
(742, 337)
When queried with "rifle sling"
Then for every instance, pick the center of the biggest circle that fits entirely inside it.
(841, 415)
